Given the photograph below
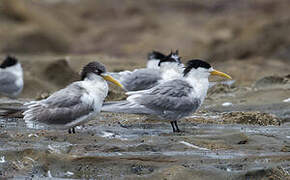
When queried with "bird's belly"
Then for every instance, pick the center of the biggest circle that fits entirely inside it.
(173, 115)
(81, 120)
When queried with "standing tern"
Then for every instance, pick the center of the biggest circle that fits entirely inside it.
(75, 104)
(11, 77)
(173, 99)
(146, 78)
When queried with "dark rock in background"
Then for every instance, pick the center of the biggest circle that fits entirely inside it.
(60, 73)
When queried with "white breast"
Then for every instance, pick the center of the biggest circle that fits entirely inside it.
(170, 71)
(153, 64)
(17, 72)
(199, 84)
(97, 92)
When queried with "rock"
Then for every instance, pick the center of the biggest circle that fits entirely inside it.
(218, 89)
(33, 86)
(46, 34)
(286, 148)
(271, 173)
(270, 81)
(259, 39)
(42, 95)
(255, 118)
(115, 93)
(60, 73)
(180, 172)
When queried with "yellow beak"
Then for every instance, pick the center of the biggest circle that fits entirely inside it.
(218, 73)
(111, 79)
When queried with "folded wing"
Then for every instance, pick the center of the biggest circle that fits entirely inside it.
(170, 98)
(60, 108)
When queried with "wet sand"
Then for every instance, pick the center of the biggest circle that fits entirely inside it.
(241, 132)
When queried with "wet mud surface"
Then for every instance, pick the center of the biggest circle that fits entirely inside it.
(242, 131)
(233, 136)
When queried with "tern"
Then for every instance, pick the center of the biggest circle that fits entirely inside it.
(146, 78)
(172, 99)
(75, 104)
(11, 77)
(153, 59)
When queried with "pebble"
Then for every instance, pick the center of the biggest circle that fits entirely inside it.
(227, 104)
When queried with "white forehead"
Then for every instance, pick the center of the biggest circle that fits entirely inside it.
(204, 69)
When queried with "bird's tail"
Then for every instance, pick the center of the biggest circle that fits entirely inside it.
(125, 107)
(12, 111)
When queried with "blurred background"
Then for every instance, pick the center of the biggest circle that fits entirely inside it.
(247, 39)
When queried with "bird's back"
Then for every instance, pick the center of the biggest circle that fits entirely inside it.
(141, 79)
(65, 108)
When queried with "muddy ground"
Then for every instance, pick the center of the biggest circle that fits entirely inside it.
(242, 131)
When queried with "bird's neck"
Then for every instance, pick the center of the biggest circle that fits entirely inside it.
(96, 82)
(92, 77)
(153, 64)
(96, 86)
(15, 69)
(200, 86)
(170, 71)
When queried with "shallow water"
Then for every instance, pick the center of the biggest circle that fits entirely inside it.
(136, 151)
(118, 146)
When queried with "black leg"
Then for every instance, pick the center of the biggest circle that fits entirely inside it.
(171, 122)
(177, 129)
(73, 130)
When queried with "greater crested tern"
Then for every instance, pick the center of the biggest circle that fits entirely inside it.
(173, 99)
(75, 104)
(11, 77)
(153, 59)
(146, 78)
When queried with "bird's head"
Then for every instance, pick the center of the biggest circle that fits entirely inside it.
(175, 55)
(200, 69)
(98, 69)
(9, 62)
(171, 59)
(155, 55)
(153, 59)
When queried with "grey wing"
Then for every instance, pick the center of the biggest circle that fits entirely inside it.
(141, 79)
(7, 83)
(62, 107)
(173, 95)
(170, 100)
(125, 107)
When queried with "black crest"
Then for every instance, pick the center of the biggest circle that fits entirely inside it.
(9, 61)
(155, 55)
(170, 58)
(93, 67)
(195, 63)
(175, 55)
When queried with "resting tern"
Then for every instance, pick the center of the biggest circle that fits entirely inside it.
(153, 59)
(172, 99)
(75, 104)
(141, 79)
(11, 77)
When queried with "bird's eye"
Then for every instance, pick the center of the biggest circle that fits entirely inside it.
(98, 72)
